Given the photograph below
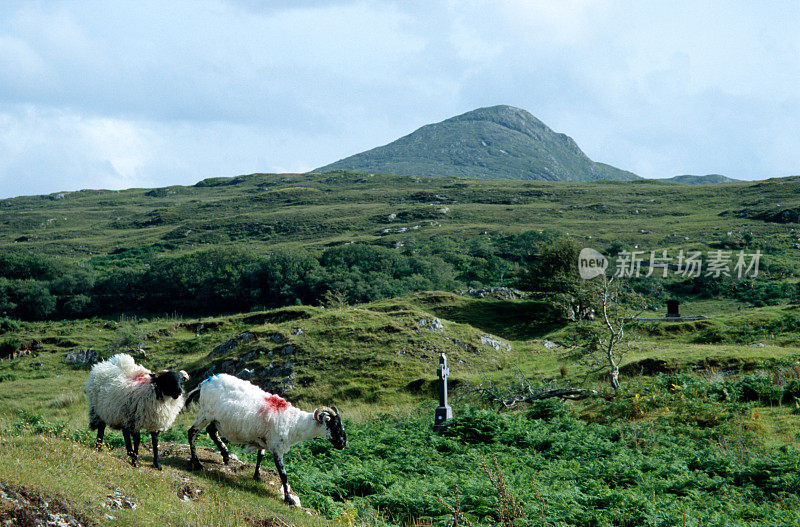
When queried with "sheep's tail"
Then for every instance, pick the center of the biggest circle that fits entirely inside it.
(127, 365)
(192, 396)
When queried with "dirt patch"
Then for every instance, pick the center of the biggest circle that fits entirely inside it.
(211, 460)
(117, 500)
(275, 317)
(26, 507)
(187, 488)
(647, 367)
(272, 521)
(199, 327)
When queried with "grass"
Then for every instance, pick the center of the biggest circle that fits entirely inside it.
(377, 365)
(84, 478)
(374, 361)
(263, 212)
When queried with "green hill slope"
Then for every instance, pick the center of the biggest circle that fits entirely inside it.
(498, 142)
(269, 211)
(708, 179)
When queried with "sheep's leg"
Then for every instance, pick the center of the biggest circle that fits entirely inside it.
(284, 479)
(194, 463)
(214, 434)
(137, 438)
(126, 434)
(101, 429)
(154, 437)
(259, 459)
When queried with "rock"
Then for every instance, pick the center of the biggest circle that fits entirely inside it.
(118, 501)
(502, 293)
(757, 345)
(444, 210)
(434, 325)
(246, 374)
(36, 365)
(286, 350)
(231, 344)
(495, 343)
(24, 506)
(229, 366)
(252, 354)
(278, 338)
(549, 344)
(84, 356)
(297, 332)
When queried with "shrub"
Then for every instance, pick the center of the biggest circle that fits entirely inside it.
(751, 388)
(476, 426)
(8, 324)
(548, 409)
(791, 391)
(9, 346)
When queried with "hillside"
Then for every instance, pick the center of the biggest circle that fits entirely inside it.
(324, 288)
(498, 142)
(720, 432)
(708, 179)
(269, 211)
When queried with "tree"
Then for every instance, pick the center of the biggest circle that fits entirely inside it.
(553, 271)
(605, 342)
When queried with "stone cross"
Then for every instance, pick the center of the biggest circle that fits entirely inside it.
(444, 411)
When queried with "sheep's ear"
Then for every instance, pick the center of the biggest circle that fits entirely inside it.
(159, 395)
(335, 410)
(185, 375)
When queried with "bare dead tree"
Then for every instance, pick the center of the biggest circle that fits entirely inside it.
(523, 390)
(605, 344)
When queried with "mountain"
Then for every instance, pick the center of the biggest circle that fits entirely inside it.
(498, 142)
(708, 179)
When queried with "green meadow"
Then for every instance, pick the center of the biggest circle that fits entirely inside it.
(325, 286)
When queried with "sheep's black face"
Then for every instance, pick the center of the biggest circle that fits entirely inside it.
(169, 384)
(335, 430)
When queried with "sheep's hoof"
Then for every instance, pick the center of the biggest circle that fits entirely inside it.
(157, 466)
(257, 476)
(290, 501)
(134, 462)
(195, 465)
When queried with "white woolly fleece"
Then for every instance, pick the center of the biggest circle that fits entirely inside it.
(246, 414)
(121, 393)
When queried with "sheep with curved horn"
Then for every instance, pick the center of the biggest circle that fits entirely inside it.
(244, 413)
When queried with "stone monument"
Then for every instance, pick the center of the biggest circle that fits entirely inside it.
(443, 412)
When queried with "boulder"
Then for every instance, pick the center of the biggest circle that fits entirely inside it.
(495, 343)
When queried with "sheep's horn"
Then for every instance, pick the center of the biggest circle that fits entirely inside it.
(323, 413)
(185, 375)
(159, 372)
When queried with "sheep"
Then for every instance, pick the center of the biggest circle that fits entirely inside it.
(244, 413)
(127, 396)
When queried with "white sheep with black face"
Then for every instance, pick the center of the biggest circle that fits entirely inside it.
(244, 413)
(128, 397)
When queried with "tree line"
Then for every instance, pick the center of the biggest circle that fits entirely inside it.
(220, 280)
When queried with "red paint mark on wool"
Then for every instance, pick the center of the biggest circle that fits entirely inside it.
(274, 403)
(142, 378)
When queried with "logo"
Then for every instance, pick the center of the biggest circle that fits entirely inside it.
(591, 263)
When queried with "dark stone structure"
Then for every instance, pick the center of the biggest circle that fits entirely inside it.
(672, 309)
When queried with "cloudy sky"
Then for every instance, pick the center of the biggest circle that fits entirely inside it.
(151, 93)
